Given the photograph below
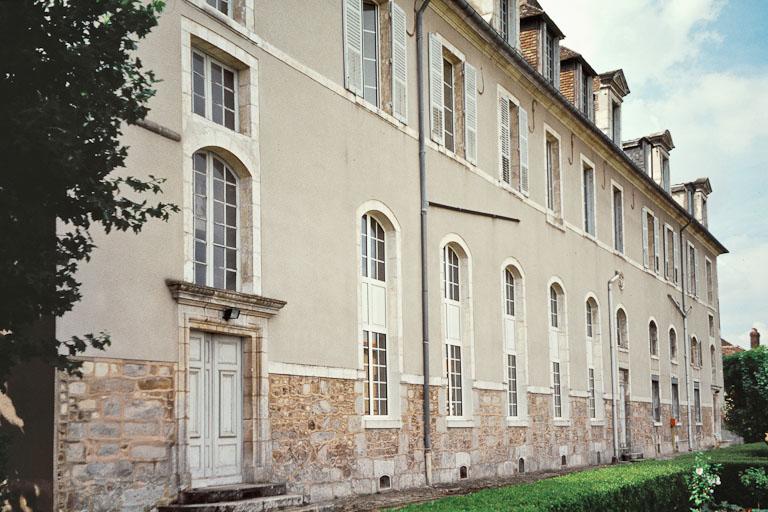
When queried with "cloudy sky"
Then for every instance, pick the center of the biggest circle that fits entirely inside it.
(700, 69)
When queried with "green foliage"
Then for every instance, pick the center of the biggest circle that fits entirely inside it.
(701, 482)
(70, 80)
(645, 486)
(756, 480)
(746, 393)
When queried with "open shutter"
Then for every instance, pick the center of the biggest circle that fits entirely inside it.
(590, 192)
(667, 268)
(544, 51)
(470, 112)
(644, 221)
(676, 256)
(399, 64)
(695, 273)
(504, 141)
(556, 63)
(513, 24)
(656, 248)
(522, 129)
(353, 46)
(436, 88)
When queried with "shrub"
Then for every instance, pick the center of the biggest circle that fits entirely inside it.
(746, 393)
(756, 480)
(702, 481)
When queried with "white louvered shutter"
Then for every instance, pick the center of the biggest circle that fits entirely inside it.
(436, 88)
(667, 267)
(513, 23)
(676, 256)
(470, 112)
(646, 263)
(591, 100)
(353, 46)
(696, 272)
(657, 259)
(399, 64)
(523, 148)
(504, 140)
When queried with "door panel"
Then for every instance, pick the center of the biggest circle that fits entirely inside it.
(215, 409)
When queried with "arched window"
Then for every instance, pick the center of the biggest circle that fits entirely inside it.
(554, 308)
(216, 254)
(695, 351)
(452, 328)
(557, 345)
(593, 355)
(672, 344)
(621, 329)
(653, 338)
(373, 270)
(513, 346)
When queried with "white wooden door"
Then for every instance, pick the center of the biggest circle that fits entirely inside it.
(215, 409)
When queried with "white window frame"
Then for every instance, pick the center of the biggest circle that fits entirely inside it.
(654, 354)
(656, 400)
(594, 351)
(669, 254)
(207, 81)
(709, 280)
(651, 262)
(548, 130)
(515, 344)
(672, 356)
(692, 270)
(586, 162)
(560, 356)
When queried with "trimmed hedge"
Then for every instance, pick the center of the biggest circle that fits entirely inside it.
(644, 486)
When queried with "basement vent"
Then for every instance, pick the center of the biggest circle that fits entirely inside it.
(563, 460)
(521, 465)
(385, 483)
(463, 472)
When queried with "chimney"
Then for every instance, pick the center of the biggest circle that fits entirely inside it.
(754, 338)
(693, 196)
(610, 90)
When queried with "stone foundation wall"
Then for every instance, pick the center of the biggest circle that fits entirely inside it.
(116, 436)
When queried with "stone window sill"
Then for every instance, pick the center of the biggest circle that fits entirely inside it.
(657, 424)
(624, 349)
(517, 422)
(562, 422)
(555, 221)
(597, 422)
(459, 422)
(382, 422)
(655, 358)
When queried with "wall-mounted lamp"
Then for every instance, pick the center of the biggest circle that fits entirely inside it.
(231, 314)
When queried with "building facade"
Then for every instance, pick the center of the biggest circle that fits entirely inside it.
(273, 329)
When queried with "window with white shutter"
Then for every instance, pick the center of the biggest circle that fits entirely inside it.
(676, 257)
(646, 251)
(618, 219)
(470, 112)
(436, 88)
(523, 133)
(588, 183)
(399, 64)
(353, 46)
(505, 150)
(657, 258)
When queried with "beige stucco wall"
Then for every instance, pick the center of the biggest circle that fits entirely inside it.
(322, 155)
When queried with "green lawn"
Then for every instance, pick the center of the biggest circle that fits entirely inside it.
(648, 485)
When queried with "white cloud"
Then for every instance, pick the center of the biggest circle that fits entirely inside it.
(716, 117)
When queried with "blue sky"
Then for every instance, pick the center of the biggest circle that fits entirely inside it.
(698, 68)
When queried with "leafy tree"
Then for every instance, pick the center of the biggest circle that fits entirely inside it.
(746, 393)
(69, 81)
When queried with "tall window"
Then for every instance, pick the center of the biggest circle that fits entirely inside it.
(453, 342)
(713, 362)
(655, 398)
(556, 332)
(653, 338)
(550, 62)
(670, 254)
(513, 144)
(711, 320)
(504, 19)
(370, 53)
(694, 352)
(588, 182)
(710, 282)
(692, 263)
(215, 217)
(616, 123)
(697, 401)
(553, 174)
(586, 94)
(221, 5)
(448, 99)
(593, 354)
(214, 87)
(510, 342)
(591, 313)
(651, 259)
(665, 179)
(374, 296)
(675, 399)
(618, 219)
(554, 308)
(672, 344)
(621, 329)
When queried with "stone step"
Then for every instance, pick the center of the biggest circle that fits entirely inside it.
(633, 456)
(235, 492)
(248, 505)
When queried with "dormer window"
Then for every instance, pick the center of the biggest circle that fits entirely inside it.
(504, 19)
(616, 123)
(586, 94)
(665, 180)
(508, 21)
(550, 47)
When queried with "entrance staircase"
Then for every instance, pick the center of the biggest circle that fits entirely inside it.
(235, 498)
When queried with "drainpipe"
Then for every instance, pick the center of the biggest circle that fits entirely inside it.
(614, 366)
(427, 418)
(684, 311)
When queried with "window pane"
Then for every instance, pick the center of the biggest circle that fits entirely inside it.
(200, 274)
(370, 53)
